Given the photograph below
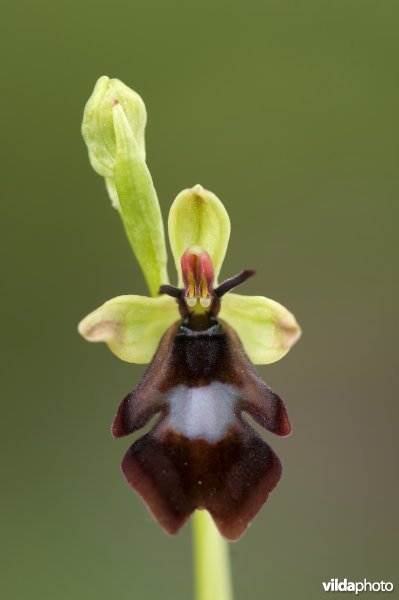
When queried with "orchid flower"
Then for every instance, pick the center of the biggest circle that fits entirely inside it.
(201, 340)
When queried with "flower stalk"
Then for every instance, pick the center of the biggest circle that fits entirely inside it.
(211, 560)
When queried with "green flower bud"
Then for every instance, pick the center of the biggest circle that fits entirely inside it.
(113, 129)
(98, 124)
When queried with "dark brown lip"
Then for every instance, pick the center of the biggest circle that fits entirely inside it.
(237, 470)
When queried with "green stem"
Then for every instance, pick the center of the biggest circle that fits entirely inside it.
(211, 560)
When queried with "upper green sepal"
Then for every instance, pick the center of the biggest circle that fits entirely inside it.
(198, 218)
(98, 126)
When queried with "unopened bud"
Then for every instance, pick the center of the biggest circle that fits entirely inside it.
(98, 123)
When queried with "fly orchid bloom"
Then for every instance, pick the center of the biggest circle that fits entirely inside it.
(201, 341)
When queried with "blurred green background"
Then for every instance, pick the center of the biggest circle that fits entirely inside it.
(287, 110)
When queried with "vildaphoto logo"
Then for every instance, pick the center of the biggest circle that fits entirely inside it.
(344, 585)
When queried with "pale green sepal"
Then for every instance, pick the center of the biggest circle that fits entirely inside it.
(140, 209)
(98, 125)
(198, 218)
(267, 330)
(131, 326)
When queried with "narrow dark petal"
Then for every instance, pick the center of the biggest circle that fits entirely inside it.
(170, 290)
(233, 282)
(230, 478)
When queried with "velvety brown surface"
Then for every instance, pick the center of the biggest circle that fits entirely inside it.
(174, 474)
(231, 478)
